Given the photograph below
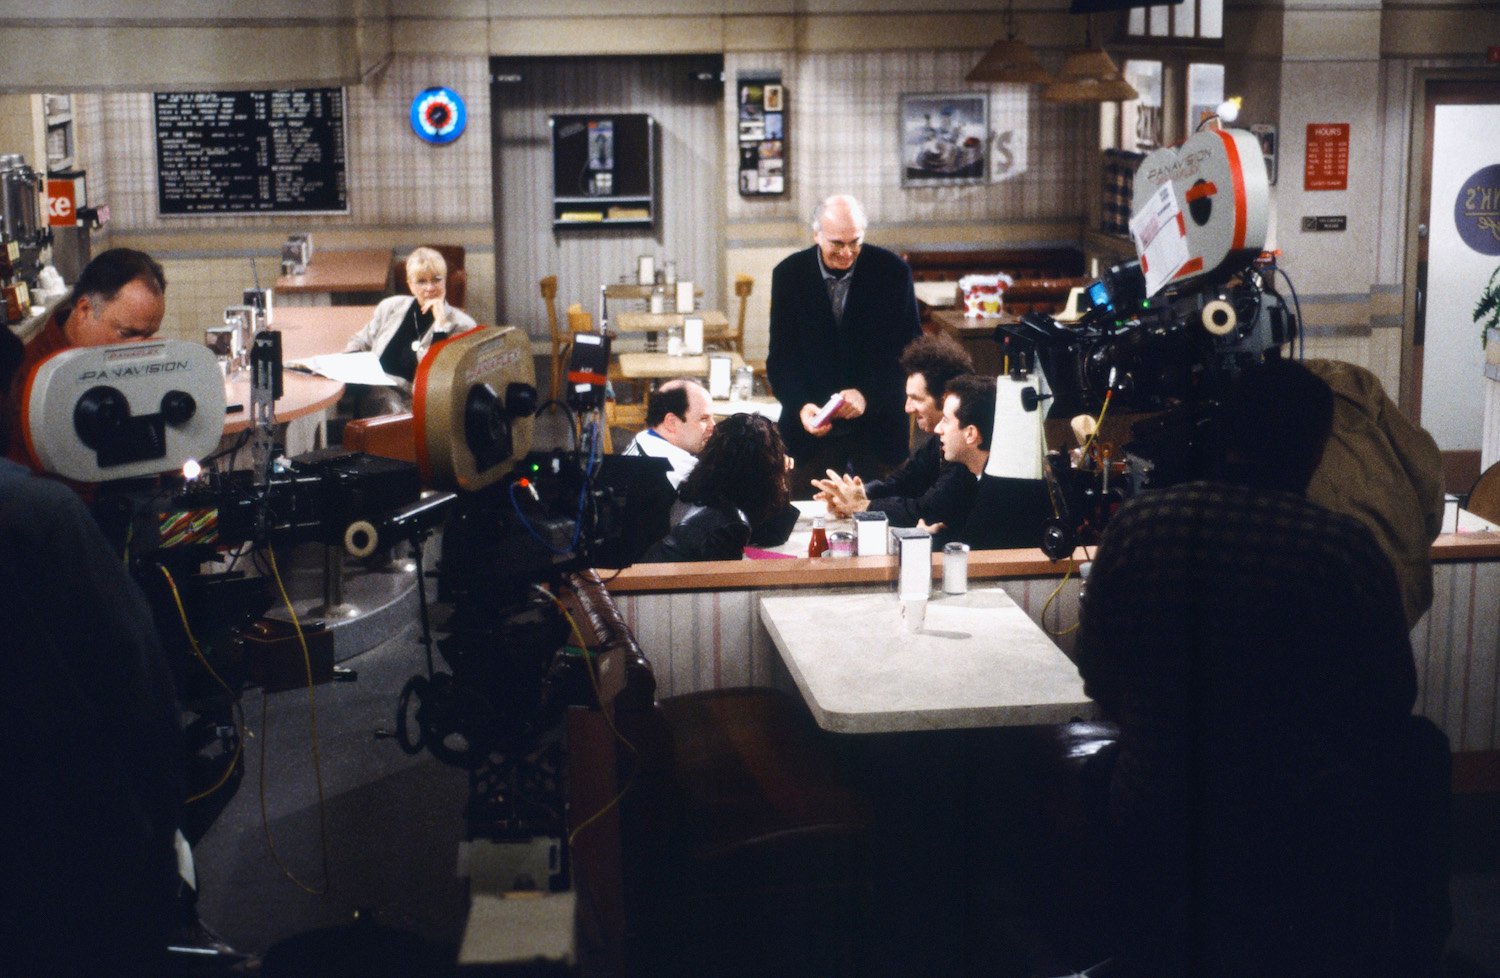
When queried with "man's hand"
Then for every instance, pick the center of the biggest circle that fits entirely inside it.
(853, 406)
(808, 412)
(934, 528)
(844, 496)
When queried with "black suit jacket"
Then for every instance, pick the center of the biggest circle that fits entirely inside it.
(811, 357)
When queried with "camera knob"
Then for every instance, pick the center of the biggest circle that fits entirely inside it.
(100, 415)
(177, 407)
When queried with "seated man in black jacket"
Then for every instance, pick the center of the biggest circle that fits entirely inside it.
(1003, 513)
(924, 487)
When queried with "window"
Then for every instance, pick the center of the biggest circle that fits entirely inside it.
(1201, 20)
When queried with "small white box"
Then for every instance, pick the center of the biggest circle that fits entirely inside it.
(684, 296)
(914, 547)
(719, 370)
(645, 270)
(692, 336)
(872, 532)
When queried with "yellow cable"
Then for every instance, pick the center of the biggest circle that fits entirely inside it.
(316, 757)
(1098, 422)
(239, 722)
(608, 719)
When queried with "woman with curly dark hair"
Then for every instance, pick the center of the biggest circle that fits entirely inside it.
(739, 484)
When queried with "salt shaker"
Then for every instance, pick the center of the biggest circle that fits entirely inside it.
(956, 568)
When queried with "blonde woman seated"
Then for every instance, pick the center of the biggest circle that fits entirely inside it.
(402, 330)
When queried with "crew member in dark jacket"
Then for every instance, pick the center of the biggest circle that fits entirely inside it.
(1274, 808)
(841, 312)
(924, 487)
(738, 487)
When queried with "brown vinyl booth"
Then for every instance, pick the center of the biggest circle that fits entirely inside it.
(713, 832)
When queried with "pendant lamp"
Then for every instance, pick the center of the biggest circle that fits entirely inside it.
(1089, 75)
(1009, 60)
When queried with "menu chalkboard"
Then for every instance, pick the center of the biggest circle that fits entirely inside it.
(278, 152)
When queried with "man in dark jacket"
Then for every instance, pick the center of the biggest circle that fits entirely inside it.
(841, 312)
(1274, 807)
(924, 487)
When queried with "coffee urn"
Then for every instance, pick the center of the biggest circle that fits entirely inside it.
(20, 219)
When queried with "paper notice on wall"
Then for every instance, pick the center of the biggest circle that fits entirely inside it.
(1160, 238)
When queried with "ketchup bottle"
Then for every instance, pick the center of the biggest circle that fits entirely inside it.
(818, 545)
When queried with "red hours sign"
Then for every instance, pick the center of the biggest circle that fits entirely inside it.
(1327, 164)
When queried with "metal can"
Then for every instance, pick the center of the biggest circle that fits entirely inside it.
(956, 568)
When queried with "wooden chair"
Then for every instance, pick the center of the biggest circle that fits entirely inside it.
(733, 337)
(562, 343)
(1484, 498)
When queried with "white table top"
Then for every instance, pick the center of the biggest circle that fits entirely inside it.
(979, 661)
(767, 407)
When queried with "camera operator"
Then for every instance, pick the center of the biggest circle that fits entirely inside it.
(1273, 807)
(95, 774)
(120, 297)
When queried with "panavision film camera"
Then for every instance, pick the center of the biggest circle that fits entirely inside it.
(134, 420)
(1162, 337)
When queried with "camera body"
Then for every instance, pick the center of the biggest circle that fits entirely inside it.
(1164, 336)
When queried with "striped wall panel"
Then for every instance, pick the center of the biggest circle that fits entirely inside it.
(710, 640)
(689, 227)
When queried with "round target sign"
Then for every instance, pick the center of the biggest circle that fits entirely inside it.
(438, 115)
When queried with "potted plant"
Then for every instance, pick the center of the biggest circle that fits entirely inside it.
(1487, 311)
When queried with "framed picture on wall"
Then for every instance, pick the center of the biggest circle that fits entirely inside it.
(762, 135)
(945, 139)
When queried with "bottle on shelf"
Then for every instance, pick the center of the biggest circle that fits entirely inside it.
(818, 545)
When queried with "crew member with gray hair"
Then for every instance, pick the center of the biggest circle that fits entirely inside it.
(841, 313)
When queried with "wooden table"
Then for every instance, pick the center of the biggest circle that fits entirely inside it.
(310, 331)
(338, 278)
(305, 332)
(663, 366)
(977, 336)
(660, 322)
(978, 661)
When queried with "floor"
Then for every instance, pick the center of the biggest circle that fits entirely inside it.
(370, 878)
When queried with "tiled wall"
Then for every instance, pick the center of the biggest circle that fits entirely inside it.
(402, 192)
(842, 137)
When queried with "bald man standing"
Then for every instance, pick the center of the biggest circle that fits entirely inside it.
(841, 313)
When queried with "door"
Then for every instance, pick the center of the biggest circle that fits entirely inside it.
(1457, 256)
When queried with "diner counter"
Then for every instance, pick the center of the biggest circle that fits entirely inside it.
(701, 622)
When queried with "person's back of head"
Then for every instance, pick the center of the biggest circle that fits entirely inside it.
(670, 398)
(743, 464)
(938, 358)
(1277, 419)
